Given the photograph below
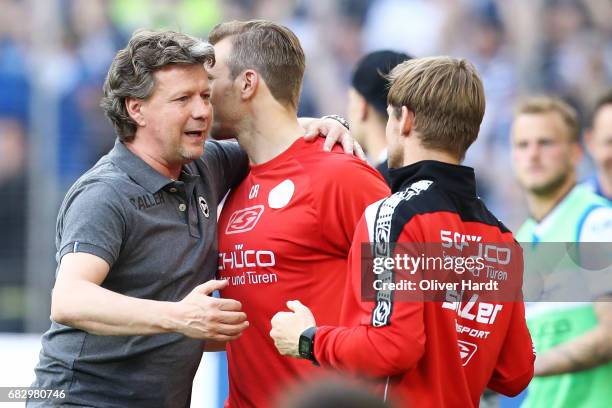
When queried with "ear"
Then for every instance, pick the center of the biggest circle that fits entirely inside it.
(134, 109)
(406, 121)
(577, 154)
(248, 82)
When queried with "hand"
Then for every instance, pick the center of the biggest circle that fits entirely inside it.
(287, 327)
(202, 316)
(334, 133)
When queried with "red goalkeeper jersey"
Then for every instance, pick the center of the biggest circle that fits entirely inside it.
(285, 233)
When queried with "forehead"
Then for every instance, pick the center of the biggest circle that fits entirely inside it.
(178, 77)
(603, 118)
(222, 52)
(534, 126)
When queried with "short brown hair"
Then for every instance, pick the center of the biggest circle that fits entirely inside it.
(542, 104)
(447, 98)
(131, 72)
(270, 49)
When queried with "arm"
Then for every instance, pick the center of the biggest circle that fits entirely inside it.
(215, 346)
(363, 349)
(375, 351)
(514, 368)
(590, 350)
(93, 226)
(593, 348)
(79, 301)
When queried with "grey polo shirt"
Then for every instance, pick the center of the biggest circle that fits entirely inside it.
(159, 238)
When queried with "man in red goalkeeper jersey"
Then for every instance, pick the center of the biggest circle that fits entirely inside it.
(440, 353)
(285, 231)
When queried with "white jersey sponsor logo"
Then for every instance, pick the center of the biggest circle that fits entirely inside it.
(466, 351)
(280, 195)
(244, 220)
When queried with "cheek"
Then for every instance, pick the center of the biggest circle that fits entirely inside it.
(606, 153)
(518, 158)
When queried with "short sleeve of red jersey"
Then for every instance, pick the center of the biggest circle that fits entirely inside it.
(342, 198)
(365, 349)
(514, 368)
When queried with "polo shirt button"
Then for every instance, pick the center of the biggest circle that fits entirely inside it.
(173, 190)
(182, 207)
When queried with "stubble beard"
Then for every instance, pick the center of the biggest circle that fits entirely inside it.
(551, 187)
(188, 156)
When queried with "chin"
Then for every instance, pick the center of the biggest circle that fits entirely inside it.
(222, 133)
(191, 154)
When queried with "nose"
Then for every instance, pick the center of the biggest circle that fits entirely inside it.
(533, 151)
(201, 109)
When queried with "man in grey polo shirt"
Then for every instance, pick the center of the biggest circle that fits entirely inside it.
(136, 239)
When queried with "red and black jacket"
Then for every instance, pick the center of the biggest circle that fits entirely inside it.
(437, 352)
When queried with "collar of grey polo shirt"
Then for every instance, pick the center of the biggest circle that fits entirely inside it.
(141, 172)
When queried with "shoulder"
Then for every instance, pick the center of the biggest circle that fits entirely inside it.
(96, 190)
(392, 213)
(590, 184)
(336, 167)
(102, 180)
(596, 225)
(104, 175)
(524, 231)
(218, 148)
(587, 198)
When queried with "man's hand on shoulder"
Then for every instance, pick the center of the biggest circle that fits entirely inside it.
(334, 132)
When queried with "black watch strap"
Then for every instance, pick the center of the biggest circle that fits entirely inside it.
(306, 344)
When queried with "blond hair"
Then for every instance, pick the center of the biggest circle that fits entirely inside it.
(446, 96)
(543, 104)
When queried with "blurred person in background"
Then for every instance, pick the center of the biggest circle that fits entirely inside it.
(598, 140)
(572, 338)
(367, 105)
(415, 351)
(193, 16)
(13, 207)
(15, 100)
(412, 26)
(489, 50)
(291, 220)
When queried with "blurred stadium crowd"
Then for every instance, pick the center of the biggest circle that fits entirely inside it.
(520, 47)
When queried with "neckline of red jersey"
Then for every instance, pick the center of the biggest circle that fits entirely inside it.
(283, 156)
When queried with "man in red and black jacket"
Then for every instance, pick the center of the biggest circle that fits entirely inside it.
(424, 347)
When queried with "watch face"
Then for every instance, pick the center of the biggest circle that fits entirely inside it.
(304, 347)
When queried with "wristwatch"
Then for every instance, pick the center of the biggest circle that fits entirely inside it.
(338, 119)
(306, 344)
